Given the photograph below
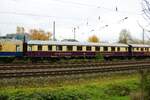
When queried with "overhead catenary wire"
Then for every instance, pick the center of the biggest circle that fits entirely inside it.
(61, 17)
(42, 15)
(64, 18)
(93, 6)
(97, 6)
(37, 15)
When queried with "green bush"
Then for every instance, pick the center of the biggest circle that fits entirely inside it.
(3, 97)
(118, 90)
(68, 96)
(145, 81)
(19, 95)
(57, 95)
(99, 57)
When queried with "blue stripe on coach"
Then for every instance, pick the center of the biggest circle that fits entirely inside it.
(17, 54)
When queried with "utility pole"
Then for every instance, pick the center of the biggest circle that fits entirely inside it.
(143, 35)
(54, 31)
(142, 30)
(74, 31)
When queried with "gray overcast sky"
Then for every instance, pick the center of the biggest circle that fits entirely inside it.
(82, 14)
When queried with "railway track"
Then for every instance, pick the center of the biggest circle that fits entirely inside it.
(65, 65)
(27, 70)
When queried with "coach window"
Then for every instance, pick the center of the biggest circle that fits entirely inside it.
(49, 47)
(69, 48)
(105, 48)
(79, 48)
(18, 48)
(0, 47)
(97, 48)
(118, 48)
(137, 49)
(30, 48)
(39, 47)
(126, 49)
(146, 49)
(112, 48)
(59, 48)
(88, 48)
(141, 49)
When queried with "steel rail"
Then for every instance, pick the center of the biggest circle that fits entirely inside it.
(81, 62)
(70, 71)
(63, 65)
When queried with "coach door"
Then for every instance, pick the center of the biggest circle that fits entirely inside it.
(18, 49)
(130, 50)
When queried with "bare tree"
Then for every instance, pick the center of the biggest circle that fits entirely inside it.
(146, 9)
(125, 36)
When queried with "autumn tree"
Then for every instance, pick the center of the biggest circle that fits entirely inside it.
(39, 34)
(20, 30)
(93, 38)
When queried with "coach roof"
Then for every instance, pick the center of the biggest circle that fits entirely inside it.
(139, 45)
(10, 40)
(39, 42)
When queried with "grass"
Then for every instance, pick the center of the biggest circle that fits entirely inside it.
(83, 88)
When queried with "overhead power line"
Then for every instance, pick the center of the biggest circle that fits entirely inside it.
(94, 6)
(38, 15)
(76, 3)
(97, 6)
(10, 23)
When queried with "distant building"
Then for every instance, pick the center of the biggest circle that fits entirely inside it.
(4, 37)
(16, 36)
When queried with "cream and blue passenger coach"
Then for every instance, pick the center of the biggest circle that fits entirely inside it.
(11, 47)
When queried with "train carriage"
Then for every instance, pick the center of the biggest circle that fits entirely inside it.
(59, 49)
(10, 48)
(114, 50)
(74, 49)
(140, 50)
